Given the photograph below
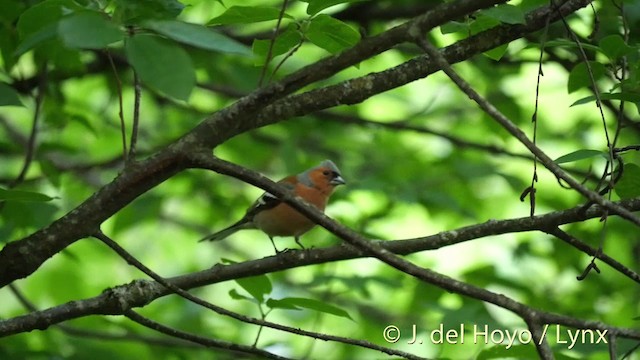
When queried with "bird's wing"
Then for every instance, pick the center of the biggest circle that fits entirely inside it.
(267, 200)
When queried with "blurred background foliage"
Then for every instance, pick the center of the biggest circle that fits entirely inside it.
(408, 155)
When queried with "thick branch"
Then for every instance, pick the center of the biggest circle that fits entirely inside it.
(140, 293)
(356, 90)
(21, 258)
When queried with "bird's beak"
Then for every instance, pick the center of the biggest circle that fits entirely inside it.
(338, 180)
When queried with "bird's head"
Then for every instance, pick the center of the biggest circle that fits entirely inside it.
(324, 177)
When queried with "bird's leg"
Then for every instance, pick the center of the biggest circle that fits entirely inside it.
(274, 245)
(297, 238)
(275, 248)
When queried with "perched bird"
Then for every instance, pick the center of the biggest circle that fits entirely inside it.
(276, 218)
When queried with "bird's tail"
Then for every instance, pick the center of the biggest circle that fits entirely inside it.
(224, 233)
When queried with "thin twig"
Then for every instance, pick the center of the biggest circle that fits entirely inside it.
(491, 110)
(222, 311)
(272, 43)
(402, 125)
(69, 330)
(534, 118)
(208, 342)
(30, 146)
(613, 347)
(630, 352)
(539, 340)
(136, 118)
(123, 131)
(31, 142)
(596, 90)
(596, 253)
(368, 247)
(286, 57)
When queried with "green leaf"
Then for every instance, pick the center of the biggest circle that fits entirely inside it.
(163, 66)
(257, 286)
(31, 41)
(614, 46)
(10, 10)
(88, 30)
(497, 53)
(287, 40)
(315, 6)
(128, 12)
(506, 13)
(38, 23)
(43, 14)
(482, 23)
(237, 296)
(453, 27)
(579, 155)
(281, 304)
(568, 44)
(198, 36)
(50, 171)
(18, 195)
(629, 184)
(8, 44)
(311, 304)
(625, 96)
(331, 34)
(8, 96)
(580, 78)
(247, 14)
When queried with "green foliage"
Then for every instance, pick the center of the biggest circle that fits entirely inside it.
(315, 6)
(257, 286)
(629, 186)
(197, 35)
(284, 42)
(247, 14)
(506, 13)
(614, 47)
(8, 96)
(331, 34)
(579, 155)
(135, 12)
(161, 65)
(311, 304)
(18, 195)
(419, 159)
(584, 74)
(260, 287)
(88, 30)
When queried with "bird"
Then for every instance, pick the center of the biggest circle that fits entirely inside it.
(276, 218)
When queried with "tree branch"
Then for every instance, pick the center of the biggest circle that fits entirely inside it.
(518, 134)
(213, 343)
(140, 293)
(19, 259)
(222, 311)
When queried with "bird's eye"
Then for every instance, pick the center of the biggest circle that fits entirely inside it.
(326, 173)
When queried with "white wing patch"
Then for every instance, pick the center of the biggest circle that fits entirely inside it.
(266, 198)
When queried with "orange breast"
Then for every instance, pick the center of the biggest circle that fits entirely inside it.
(283, 220)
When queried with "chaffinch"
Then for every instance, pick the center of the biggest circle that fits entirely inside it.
(276, 218)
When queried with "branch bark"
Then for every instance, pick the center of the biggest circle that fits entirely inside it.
(20, 258)
(139, 293)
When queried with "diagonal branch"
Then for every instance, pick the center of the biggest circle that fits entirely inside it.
(213, 343)
(140, 293)
(169, 286)
(508, 125)
(19, 259)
